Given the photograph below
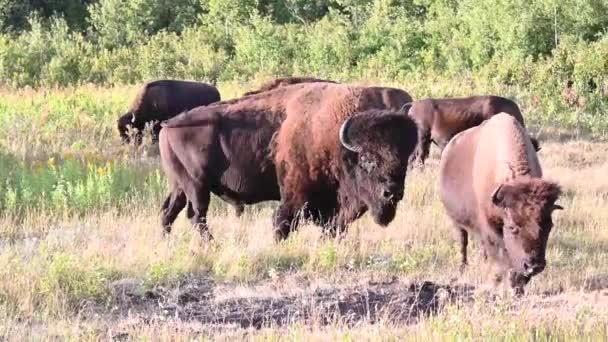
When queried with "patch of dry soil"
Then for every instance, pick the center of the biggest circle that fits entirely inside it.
(201, 300)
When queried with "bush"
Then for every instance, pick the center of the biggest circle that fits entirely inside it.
(14, 14)
(127, 23)
(510, 42)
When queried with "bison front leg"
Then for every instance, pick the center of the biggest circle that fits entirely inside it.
(284, 222)
(463, 238)
(421, 152)
(175, 202)
(238, 209)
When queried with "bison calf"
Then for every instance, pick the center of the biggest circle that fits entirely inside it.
(491, 186)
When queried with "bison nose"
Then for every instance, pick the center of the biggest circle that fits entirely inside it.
(534, 267)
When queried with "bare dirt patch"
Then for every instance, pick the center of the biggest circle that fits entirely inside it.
(200, 299)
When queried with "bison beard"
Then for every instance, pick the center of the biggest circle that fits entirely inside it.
(374, 147)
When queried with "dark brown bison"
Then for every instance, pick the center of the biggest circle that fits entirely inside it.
(226, 148)
(161, 100)
(440, 119)
(491, 186)
(346, 156)
(281, 82)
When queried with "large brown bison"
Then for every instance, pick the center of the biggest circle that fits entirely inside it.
(344, 157)
(491, 186)
(281, 82)
(226, 148)
(161, 100)
(440, 119)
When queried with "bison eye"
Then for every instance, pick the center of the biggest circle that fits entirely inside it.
(513, 229)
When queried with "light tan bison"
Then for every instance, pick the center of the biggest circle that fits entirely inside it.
(440, 119)
(492, 187)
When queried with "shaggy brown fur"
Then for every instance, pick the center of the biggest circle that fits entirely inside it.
(161, 100)
(491, 186)
(281, 82)
(440, 119)
(225, 148)
(327, 182)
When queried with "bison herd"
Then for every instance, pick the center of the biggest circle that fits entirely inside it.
(330, 152)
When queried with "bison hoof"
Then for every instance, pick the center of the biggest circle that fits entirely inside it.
(281, 234)
(518, 291)
(206, 237)
(238, 210)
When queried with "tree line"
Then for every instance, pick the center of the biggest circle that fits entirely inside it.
(70, 42)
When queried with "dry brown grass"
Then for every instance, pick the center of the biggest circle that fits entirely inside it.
(59, 281)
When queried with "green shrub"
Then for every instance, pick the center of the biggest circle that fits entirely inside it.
(127, 23)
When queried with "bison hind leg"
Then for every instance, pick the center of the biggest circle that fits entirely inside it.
(198, 198)
(174, 203)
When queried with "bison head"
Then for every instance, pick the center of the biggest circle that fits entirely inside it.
(123, 126)
(376, 148)
(526, 206)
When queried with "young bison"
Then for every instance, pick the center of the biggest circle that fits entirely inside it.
(491, 186)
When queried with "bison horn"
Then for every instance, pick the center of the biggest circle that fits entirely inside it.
(133, 117)
(344, 137)
(406, 108)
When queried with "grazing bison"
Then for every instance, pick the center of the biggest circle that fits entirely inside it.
(491, 187)
(161, 100)
(281, 82)
(440, 119)
(226, 148)
(346, 156)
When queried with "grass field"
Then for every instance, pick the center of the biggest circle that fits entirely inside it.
(83, 258)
